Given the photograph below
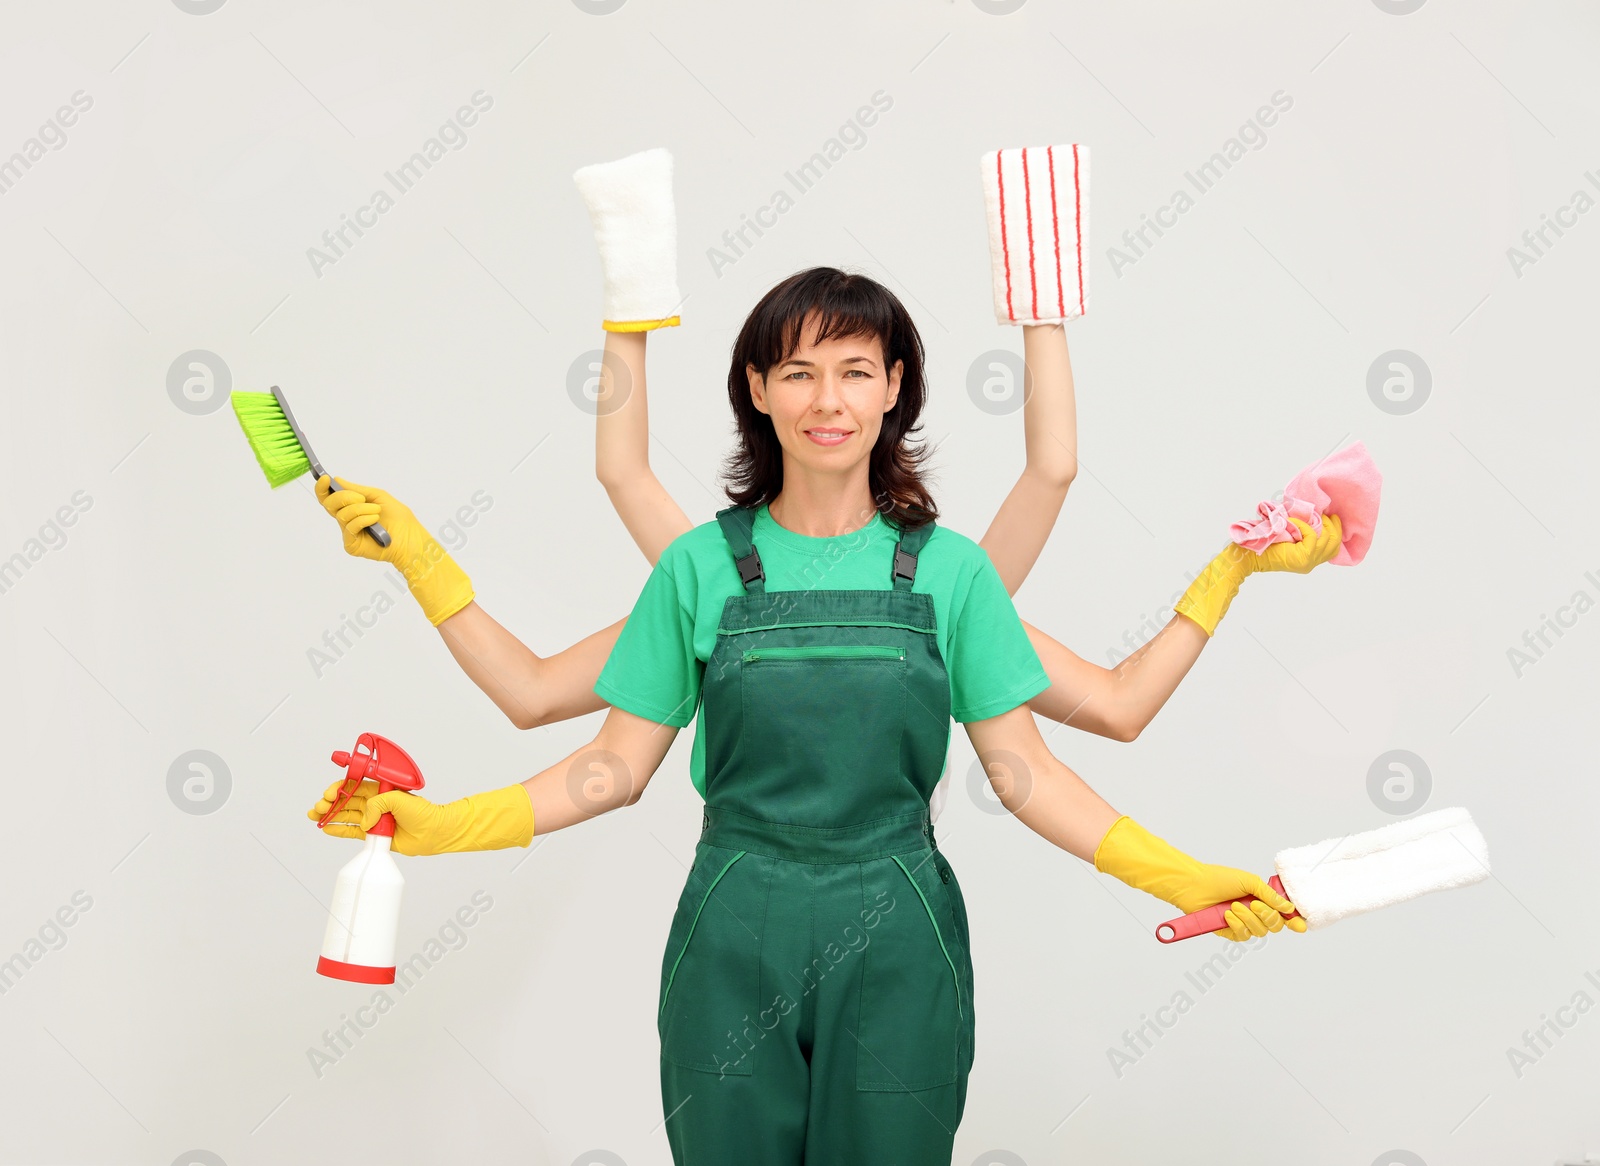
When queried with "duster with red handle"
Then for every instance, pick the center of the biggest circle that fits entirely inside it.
(1340, 877)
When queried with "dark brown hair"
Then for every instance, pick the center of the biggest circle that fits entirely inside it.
(846, 304)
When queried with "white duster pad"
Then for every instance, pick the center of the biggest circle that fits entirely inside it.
(1341, 877)
(1037, 199)
(636, 227)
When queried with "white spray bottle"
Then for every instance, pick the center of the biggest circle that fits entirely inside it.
(359, 941)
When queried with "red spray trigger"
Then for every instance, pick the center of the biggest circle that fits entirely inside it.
(382, 761)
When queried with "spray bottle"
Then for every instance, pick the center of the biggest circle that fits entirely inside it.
(359, 941)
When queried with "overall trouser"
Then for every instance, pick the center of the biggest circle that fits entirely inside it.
(816, 989)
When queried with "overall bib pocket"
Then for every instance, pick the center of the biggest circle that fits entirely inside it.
(913, 1002)
(710, 967)
(791, 693)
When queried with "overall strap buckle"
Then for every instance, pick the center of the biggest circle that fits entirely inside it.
(905, 566)
(905, 555)
(737, 523)
(750, 567)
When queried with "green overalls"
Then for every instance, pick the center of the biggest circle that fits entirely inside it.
(816, 989)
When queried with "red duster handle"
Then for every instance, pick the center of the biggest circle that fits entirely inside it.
(1210, 919)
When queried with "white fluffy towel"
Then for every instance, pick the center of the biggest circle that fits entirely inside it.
(1341, 877)
(636, 227)
(1037, 198)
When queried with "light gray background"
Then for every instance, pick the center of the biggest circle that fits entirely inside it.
(432, 360)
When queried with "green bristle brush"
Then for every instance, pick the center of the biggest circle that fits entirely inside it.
(280, 445)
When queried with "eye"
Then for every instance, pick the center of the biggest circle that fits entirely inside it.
(797, 373)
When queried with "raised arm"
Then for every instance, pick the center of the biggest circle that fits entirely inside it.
(631, 207)
(1116, 704)
(1050, 436)
(1112, 702)
(1055, 803)
(1036, 202)
(622, 448)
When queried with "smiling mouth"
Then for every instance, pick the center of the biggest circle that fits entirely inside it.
(827, 436)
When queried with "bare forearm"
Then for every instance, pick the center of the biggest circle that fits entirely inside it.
(1151, 674)
(1050, 411)
(622, 422)
(1055, 803)
(608, 773)
(575, 789)
(622, 449)
(1115, 702)
(1023, 523)
(531, 690)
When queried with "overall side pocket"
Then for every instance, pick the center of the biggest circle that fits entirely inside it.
(710, 966)
(911, 1021)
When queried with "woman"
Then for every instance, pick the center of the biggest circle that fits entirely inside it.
(816, 990)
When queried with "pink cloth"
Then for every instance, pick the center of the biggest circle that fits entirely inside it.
(1345, 483)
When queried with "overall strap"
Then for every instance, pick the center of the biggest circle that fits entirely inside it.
(905, 555)
(737, 522)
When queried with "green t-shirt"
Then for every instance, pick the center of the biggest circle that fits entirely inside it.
(655, 669)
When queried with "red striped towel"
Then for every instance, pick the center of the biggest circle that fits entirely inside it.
(1037, 198)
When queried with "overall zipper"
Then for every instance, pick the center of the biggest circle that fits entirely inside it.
(869, 651)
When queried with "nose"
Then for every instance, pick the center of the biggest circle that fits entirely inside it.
(827, 398)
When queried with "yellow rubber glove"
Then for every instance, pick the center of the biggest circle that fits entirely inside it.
(1131, 853)
(1207, 599)
(487, 821)
(437, 584)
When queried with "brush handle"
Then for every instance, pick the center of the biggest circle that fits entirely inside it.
(379, 535)
(1204, 922)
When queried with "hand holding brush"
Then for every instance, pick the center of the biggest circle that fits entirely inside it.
(374, 523)
(437, 583)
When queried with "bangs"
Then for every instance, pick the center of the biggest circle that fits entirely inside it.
(842, 308)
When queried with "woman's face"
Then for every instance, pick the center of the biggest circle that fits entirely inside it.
(827, 400)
